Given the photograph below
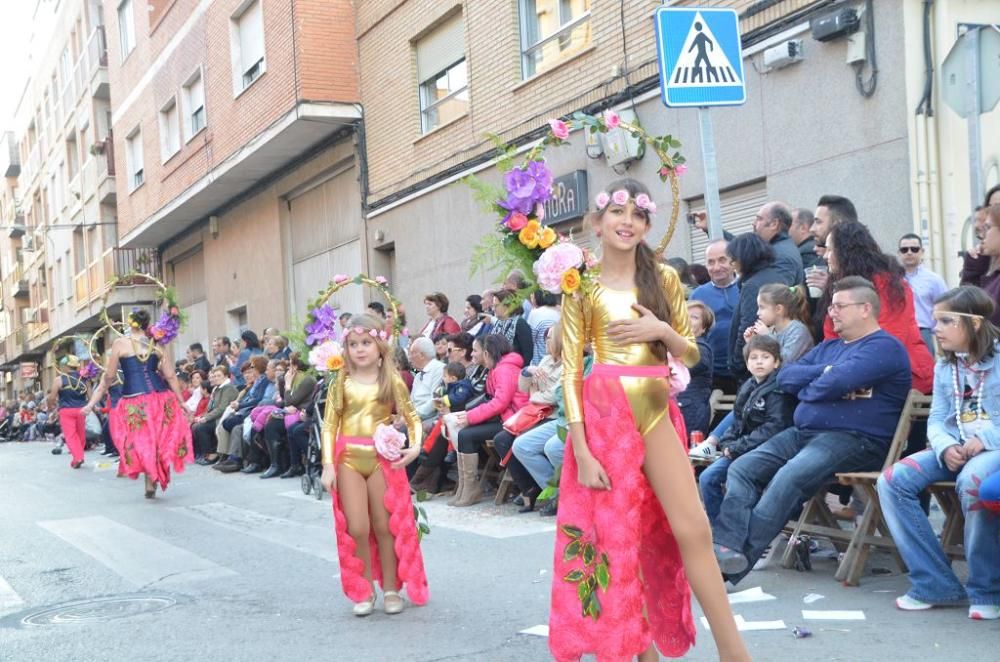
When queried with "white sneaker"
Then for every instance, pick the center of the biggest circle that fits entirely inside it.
(705, 449)
(906, 603)
(984, 612)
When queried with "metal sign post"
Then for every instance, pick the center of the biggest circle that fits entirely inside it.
(712, 203)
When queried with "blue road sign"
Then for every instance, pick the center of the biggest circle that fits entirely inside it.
(701, 61)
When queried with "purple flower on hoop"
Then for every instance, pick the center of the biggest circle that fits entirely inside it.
(323, 327)
(527, 187)
(89, 370)
(165, 329)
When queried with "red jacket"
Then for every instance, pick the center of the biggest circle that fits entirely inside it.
(501, 385)
(900, 322)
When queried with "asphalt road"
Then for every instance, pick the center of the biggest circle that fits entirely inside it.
(227, 567)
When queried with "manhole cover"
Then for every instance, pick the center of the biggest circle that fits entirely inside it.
(99, 610)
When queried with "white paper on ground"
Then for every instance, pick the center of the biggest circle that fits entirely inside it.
(833, 615)
(812, 597)
(755, 594)
(537, 631)
(748, 626)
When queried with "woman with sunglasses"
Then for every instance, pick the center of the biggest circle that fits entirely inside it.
(964, 441)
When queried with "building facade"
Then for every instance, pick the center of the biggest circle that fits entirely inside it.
(235, 125)
(436, 77)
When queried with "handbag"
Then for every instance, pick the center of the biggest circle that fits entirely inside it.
(527, 417)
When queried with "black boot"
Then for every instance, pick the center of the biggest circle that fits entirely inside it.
(294, 471)
(274, 452)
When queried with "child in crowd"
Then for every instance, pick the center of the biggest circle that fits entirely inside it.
(783, 312)
(693, 400)
(761, 411)
(364, 470)
(456, 391)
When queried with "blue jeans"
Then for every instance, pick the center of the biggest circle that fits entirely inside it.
(710, 484)
(931, 576)
(724, 424)
(530, 449)
(793, 466)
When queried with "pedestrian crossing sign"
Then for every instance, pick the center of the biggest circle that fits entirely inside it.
(701, 61)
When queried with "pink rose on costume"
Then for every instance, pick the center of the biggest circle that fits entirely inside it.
(322, 357)
(664, 171)
(559, 129)
(602, 199)
(516, 221)
(611, 119)
(554, 262)
(642, 201)
(341, 278)
(680, 169)
(620, 197)
(388, 442)
(680, 376)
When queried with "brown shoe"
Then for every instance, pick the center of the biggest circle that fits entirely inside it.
(424, 479)
(472, 491)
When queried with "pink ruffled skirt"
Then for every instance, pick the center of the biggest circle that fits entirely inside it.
(402, 524)
(152, 436)
(628, 525)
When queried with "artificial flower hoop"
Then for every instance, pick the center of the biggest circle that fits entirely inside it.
(89, 368)
(524, 242)
(172, 318)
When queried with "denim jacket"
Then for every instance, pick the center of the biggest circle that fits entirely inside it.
(942, 429)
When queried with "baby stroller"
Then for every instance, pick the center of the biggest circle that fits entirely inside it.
(314, 461)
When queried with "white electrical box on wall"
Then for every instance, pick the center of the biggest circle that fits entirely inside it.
(619, 145)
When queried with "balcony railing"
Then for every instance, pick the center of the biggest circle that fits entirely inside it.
(122, 263)
(106, 159)
(97, 48)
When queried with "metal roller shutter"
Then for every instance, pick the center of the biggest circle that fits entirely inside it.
(739, 206)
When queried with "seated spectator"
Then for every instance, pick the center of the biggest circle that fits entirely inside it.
(403, 365)
(378, 310)
(760, 412)
(486, 420)
(540, 383)
(508, 321)
(851, 390)
(390, 319)
(231, 444)
(428, 378)
(295, 396)
(344, 320)
(964, 448)
(852, 251)
(693, 400)
(203, 428)
(460, 349)
(926, 285)
(472, 319)
(542, 316)
(438, 322)
(722, 296)
(441, 348)
(457, 387)
(753, 260)
(276, 348)
(196, 356)
(683, 270)
(221, 348)
(250, 347)
(982, 264)
(783, 312)
(198, 395)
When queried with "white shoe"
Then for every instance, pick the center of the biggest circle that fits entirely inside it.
(392, 603)
(705, 449)
(367, 607)
(984, 612)
(906, 603)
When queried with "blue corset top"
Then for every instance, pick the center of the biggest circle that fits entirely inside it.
(142, 377)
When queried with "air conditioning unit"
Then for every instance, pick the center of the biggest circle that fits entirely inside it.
(833, 25)
(28, 242)
(29, 315)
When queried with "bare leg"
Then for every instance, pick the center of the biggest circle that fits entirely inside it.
(353, 492)
(669, 473)
(649, 655)
(380, 524)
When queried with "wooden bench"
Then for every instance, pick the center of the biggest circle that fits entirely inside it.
(721, 402)
(953, 531)
(817, 520)
(493, 473)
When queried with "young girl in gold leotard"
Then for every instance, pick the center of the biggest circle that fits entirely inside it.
(627, 495)
(372, 508)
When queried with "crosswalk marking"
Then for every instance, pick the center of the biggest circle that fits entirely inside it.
(139, 558)
(9, 599)
(308, 539)
(483, 520)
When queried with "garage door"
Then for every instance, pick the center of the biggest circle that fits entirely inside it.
(189, 279)
(739, 206)
(325, 225)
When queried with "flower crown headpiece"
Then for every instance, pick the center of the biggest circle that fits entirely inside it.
(621, 198)
(360, 330)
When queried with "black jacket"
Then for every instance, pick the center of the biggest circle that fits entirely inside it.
(787, 259)
(693, 400)
(761, 411)
(807, 249)
(746, 314)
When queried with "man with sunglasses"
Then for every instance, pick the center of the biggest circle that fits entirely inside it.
(927, 286)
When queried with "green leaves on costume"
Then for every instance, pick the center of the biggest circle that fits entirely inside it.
(595, 573)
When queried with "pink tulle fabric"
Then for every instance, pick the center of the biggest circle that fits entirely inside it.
(629, 525)
(402, 525)
(152, 436)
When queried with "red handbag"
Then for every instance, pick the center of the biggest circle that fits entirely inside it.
(527, 417)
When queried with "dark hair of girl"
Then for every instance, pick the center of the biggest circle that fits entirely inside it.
(683, 270)
(648, 277)
(250, 338)
(793, 299)
(972, 302)
(495, 346)
(141, 317)
(295, 358)
(752, 252)
(542, 297)
(475, 302)
(464, 341)
(858, 254)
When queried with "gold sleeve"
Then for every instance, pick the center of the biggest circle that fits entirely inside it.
(679, 315)
(331, 418)
(574, 337)
(404, 407)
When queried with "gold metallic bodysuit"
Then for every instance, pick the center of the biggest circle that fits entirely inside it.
(353, 410)
(585, 319)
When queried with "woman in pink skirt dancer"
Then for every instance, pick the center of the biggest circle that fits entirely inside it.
(150, 425)
(632, 532)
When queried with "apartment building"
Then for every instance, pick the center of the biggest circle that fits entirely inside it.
(436, 76)
(236, 129)
(60, 247)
